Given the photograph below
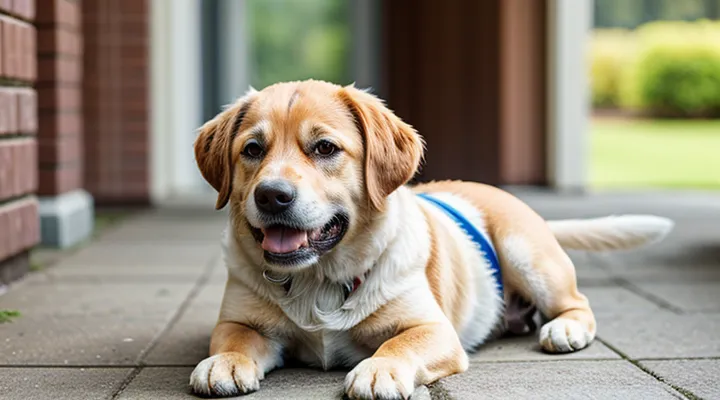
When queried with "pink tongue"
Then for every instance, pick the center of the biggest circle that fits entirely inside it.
(283, 240)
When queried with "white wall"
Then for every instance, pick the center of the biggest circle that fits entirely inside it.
(569, 24)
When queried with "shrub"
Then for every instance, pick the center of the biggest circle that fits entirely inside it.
(676, 71)
(610, 52)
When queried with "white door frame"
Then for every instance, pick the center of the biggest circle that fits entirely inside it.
(569, 25)
(175, 97)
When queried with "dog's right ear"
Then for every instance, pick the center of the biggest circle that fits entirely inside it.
(213, 147)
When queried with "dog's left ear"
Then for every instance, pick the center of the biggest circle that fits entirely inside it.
(213, 147)
(393, 149)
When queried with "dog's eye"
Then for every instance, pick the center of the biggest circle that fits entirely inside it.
(325, 148)
(253, 149)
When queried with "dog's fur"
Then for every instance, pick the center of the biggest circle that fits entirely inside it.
(428, 295)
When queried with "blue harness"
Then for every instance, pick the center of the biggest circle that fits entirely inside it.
(478, 237)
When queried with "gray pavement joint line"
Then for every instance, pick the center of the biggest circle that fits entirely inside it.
(678, 358)
(204, 278)
(662, 303)
(125, 382)
(685, 392)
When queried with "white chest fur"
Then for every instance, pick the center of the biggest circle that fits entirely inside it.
(327, 349)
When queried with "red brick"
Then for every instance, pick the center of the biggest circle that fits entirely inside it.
(2, 47)
(7, 6)
(25, 165)
(61, 150)
(30, 46)
(10, 48)
(24, 9)
(59, 124)
(31, 154)
(8, 110)
(59, 98)
(26, 174)
(59, 41)
(65, 13)
(7, 171)
(5, 250)
(20, 67)
(18, 163)
(27, 111)
(60, 179)
(20, 225)
(58, 70)
(129, 8)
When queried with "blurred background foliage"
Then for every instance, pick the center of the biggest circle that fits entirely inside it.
(654, 69)
(299, 39)
(657, 58)
(662, 69)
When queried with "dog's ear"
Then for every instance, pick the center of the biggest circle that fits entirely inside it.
(213, 147)
(393, 149)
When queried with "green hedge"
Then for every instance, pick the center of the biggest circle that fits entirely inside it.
(610, 51)
(669, 69)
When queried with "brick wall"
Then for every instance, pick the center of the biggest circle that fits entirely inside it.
(19, 226)
(59, 88)
(115, 94)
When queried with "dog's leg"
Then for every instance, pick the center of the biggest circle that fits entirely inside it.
(546, 276)
(240, 357)
(417, 356)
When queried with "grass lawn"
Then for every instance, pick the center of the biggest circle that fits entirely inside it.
(628, 154)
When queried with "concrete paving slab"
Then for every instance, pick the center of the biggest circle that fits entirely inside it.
(160, 384)
(671, 274)
(141, 262)
(613, 300)
(698, 296)
(172, 383)
(526, 348)
(117, 255)
(557, 381)
(298, 384)
(182, 229)
(589, 273)
(97, 299)
(187, 342)
(662, 335)
(76, 340)
(60, 383)
(700, 377)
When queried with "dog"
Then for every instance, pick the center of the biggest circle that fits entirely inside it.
(335, 260)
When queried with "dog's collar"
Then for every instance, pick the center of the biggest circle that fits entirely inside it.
(477, 236)
(286, 282)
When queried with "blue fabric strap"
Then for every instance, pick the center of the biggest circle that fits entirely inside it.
(478, 237)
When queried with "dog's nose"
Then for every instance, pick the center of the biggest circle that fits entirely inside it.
(274, 196)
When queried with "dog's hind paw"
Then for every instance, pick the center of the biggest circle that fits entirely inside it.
(226, 374)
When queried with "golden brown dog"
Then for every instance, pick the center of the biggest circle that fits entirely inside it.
(335, 262)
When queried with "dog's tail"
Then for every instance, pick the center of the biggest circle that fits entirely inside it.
(610, 233)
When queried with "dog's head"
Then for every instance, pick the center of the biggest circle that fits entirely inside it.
(305, 164)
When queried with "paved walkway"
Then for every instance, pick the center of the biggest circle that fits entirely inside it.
(130, 315)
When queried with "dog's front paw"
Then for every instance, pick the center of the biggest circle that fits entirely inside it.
(380, 378)
(226, 374)
(564, 335)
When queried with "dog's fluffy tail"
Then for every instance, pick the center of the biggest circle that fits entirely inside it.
(610, 233)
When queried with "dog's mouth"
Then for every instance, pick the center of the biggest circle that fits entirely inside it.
(287, 245)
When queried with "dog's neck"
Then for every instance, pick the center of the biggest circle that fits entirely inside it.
(394, 247)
